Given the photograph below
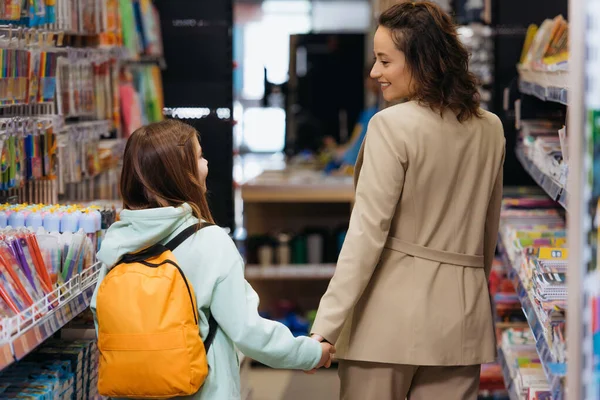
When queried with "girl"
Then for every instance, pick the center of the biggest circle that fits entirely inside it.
(163, 189)
(408, 307)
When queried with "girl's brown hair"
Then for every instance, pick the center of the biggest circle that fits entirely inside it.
(160, 169)
(438, 61)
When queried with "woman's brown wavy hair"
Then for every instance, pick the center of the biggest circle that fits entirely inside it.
(437, 60)
(160, 169)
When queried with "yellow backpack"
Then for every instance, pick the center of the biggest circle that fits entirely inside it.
(148, 336)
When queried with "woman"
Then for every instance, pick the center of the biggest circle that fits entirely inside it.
(408, 308)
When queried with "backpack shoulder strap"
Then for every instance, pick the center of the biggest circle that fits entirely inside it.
(186, 233)
(172, 245)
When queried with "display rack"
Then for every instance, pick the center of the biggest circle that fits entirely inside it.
(23, 333)
(555, 371)
(507, 374)
(554, 189)
(574, 83)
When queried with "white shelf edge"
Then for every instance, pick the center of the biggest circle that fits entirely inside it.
(25, 332)
(299, 271)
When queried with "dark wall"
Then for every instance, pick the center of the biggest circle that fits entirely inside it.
(197, 36)
(331, 91)
(510, 19)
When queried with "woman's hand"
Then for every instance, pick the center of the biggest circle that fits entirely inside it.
(327, 350)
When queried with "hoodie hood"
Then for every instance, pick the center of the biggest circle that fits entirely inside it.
(138, 229)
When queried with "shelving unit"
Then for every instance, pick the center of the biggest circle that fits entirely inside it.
(292, 200)
(298, 185)
(577, 86)
(555, 371)
(506, 373)
(25, 332)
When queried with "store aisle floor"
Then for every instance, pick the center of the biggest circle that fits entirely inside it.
(268, 384)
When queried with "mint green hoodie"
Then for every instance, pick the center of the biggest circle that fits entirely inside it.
(213, 265)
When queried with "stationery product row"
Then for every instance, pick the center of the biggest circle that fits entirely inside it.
(592, 310)
(542, 152)
(33, 265)
(543, 67)
(547, 46)
(27, 76)
(91, 84)
(533, 243)
(545, 144)
(133, 24)
(141, 94)
(523, 373)
(59, 369)
(312, 246)
(40, 150)
(57, 218)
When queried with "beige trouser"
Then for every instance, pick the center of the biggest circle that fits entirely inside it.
(373, 381)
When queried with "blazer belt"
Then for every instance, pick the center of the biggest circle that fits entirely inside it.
(444, 257)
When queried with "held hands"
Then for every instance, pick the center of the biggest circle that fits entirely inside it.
(327, 351)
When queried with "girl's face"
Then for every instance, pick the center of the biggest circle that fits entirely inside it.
(390, 68)
(202, 164)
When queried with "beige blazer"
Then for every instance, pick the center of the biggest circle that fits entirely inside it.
(410, 285)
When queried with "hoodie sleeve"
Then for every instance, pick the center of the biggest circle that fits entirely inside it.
(101, 275)
(235, 308)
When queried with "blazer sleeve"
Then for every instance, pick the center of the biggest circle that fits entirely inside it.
(492, 220)
(378, 190)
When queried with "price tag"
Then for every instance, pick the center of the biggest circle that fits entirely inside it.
(553, 253)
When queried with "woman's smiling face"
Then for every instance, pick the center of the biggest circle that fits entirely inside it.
(390, 68)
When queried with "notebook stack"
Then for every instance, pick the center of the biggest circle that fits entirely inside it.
(535, 245)
(525, 373)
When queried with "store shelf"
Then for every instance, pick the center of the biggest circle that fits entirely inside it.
(23, 333)
(555, 371)
(512, 394)
(553, 188)
(298, 186)
(547, 86)
(291, 272)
